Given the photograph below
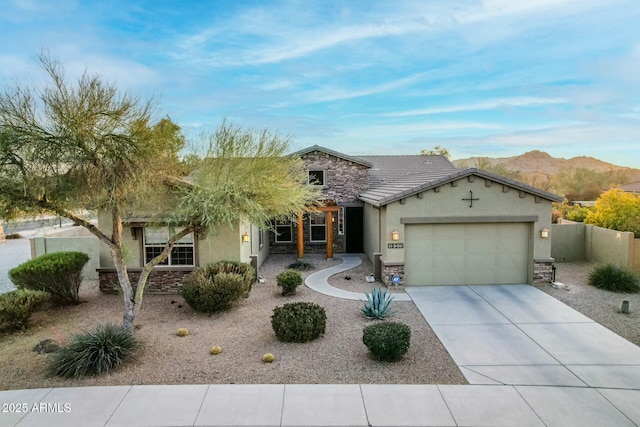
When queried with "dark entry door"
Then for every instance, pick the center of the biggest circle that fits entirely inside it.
(354, 229)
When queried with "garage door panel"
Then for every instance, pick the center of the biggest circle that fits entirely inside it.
(454, 254)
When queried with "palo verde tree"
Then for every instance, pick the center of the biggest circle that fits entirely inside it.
(67, 147)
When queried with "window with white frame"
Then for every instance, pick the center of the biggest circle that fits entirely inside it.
(284, 232)
(341, 221)
(155, 240)
(317, 177)
(317, 227)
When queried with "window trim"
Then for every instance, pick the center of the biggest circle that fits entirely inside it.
(287, 224)
(324, 177)
(169, 259)
(341, 221)
(312, 225)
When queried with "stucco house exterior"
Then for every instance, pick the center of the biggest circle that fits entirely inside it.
(418, 218)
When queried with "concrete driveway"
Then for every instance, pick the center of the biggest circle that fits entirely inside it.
(518, 335)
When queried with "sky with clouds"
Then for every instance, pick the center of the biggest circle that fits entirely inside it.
(491, 78)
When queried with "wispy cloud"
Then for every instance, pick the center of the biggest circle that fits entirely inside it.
(479, 106)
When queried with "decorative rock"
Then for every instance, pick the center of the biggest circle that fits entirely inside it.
(46, 346)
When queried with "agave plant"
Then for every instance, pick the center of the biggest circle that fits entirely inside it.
(377, 305)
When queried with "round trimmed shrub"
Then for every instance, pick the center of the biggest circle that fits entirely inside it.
(387, 341)
(210, 294)
(58, 273)
(94, 352)
(246, 271)
(299, 321)
(614, 278)
(289, 280)
(17, 306)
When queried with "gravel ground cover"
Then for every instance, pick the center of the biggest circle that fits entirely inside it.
(244, 333)
(597, 304)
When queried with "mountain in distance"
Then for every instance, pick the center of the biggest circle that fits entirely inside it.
(538, 163)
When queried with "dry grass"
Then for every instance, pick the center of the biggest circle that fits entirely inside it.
(244, 333)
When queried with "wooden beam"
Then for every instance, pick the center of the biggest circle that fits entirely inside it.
(329, 235)
(300, 236)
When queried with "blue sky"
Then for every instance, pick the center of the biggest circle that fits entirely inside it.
(492, 78)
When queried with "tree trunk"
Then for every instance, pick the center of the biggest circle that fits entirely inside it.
(2, 238)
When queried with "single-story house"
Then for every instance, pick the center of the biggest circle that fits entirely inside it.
(418, 218)
(632, 187)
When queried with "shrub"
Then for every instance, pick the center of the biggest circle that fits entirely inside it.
(299, 321)
(242, 268)
(17, 306)
(94, 352)
(209, 294)
(302, 265)
(378, 304)
(387, 341)
(289, 280)
(58, 273)
(614, 278)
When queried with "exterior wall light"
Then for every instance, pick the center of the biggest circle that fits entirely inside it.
(544, 233)
(395, 235)
(245, 238)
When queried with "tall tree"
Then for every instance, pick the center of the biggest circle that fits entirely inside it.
(87, 145)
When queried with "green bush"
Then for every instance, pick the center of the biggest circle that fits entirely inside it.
(94, 352)
(614, 278)
(387, 341)
(210, 294)
(289, 280)
(17, 306)
(58, 273)
(242, 268)
(378, 304)
(299, 321)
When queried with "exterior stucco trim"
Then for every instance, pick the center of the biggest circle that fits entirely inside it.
(468, 219)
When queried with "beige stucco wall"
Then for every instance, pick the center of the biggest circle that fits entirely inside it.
(604, 245)
(70, 240)
(371, 230)
(494, 200)
(568, 242)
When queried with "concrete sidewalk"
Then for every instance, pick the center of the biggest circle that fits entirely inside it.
(320, 405)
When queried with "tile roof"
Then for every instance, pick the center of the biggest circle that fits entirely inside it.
(633, 187)
(392, 178)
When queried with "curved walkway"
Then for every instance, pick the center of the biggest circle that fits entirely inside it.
(319, 281)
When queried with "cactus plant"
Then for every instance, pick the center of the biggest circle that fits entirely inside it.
(378, 304)
(182, 332)
(268, 358)
(216, 349)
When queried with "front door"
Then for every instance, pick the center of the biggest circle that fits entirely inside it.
(354, 229)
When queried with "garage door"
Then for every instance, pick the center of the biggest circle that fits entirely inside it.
(466, 254)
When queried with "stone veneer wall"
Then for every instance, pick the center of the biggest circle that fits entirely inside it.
(344, 181)
(542, 271)
(159, 282)
(388, 271)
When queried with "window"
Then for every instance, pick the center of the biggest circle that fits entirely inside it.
(284, 232)
(318, 227)
(341, 221)
(317, 177)
(155, 239)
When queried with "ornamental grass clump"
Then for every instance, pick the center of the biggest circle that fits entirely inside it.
(94, 352)
(17, 306)
(58, 273)
(378, 304)
(614, 278)
(387, 341)
(289, 280)
(299, 321)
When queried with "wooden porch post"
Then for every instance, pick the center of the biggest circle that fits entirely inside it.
(300, 236)
(329, 235)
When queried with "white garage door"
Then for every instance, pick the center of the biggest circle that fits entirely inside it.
(466, 254)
